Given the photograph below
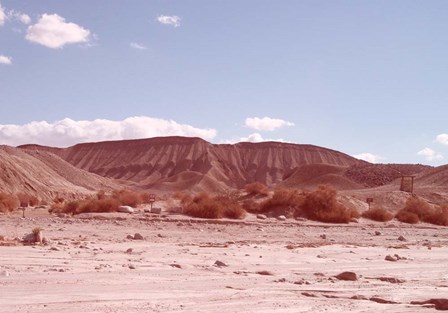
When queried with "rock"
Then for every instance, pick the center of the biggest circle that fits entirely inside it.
(45, 241)
(177, 210)
(347, 276)
(131, 266)
(129, 251)
(439, 304)
(377, 233)
(261, 216)
(55, 249)
(125, 209)
(391, 280)
(391, 258)
(358, 297)
(137, 236)
(130, 237)
(29, 238)
(264, 273)
(401, 238)
(175, 265)
(220, 264)
(156, 210)
(147, 210)
(382, 301)
(281, 218)
(323, 236)
(38, 235)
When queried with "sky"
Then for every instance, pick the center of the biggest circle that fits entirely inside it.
(367, 78)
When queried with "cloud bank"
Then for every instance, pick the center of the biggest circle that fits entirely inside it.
(266, 123)
(430, 155)
(5, 60)
(53, 32)
(369, 157)
(68, 132)
(172, 20)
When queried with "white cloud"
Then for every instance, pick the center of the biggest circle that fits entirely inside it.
(169, 20)
(255, 137)
(53, 32)
(266, 123)
(68, 132)
(430, 154)
(138, 46)
(443, 139)
(5, 60)
(2, 15)
(24, 18)
(369, 157)
(21, 17)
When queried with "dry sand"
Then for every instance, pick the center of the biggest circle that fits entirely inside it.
(87, 267)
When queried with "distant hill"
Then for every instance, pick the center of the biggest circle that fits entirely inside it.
(45, 175)
(180, 163)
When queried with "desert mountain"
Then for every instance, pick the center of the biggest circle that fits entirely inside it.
(179, 163)
(46, 175)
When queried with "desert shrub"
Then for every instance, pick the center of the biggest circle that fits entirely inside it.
(100, 195)
(439, 216)
(8, 202)
(283, 201)
(89, 205)
(205, 206)
(378, 214)
(127, 197)
(322, 205)
(256, 189)
(416, 210)
(251, 206)
(27, 200)
(407, 217)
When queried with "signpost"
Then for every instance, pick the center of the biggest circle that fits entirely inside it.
(152, 199)
(369, 200)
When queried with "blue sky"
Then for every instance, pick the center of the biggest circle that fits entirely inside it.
(361, 77)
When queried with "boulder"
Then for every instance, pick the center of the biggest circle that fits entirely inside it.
(125, 209)
(347, 276)
(156, 210)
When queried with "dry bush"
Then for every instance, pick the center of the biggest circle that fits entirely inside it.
(204, 206)
(127, 197)
(322, 205)
(251, 206)
(8, 202)
(282, 202)
(378, 214)
(27, 200)
(416, 210)
(89, 206)
(256, 189)
(407, 217)
(439, 216)
(100, 195)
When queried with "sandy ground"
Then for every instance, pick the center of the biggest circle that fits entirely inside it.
(88, 265)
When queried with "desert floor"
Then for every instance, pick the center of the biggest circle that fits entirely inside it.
(268, 265)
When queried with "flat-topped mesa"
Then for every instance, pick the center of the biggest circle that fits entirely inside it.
(162, 160)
